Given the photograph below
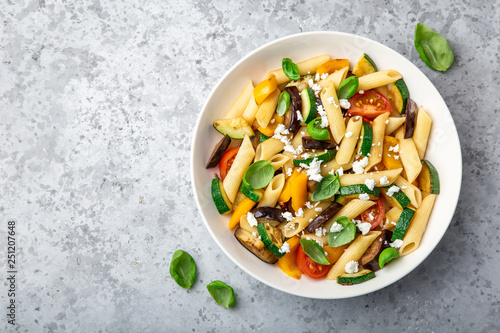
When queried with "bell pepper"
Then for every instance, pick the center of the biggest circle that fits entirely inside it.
(264, 89)
(287, 263)
(271, 127)
(388, 158)
(299, 191)
(331, 66)
(286, 193)
(334, 253)
(243, 208)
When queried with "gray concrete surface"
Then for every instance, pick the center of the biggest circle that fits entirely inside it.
(97, 103)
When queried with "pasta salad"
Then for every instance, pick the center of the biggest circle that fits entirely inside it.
(322, 169)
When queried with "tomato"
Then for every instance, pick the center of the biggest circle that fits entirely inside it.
(309, 267)
(227, 161)
(369, 105)
(374, 214)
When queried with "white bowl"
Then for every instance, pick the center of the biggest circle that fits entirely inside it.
(443, 151)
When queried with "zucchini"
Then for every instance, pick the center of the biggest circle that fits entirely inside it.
(221, 201)
(341, 200)
(403, 224)
(301, 83)
(365, 65)
(365, 143)
(253, 195)
(355, 278)
(429, 178)
(272, 238)
(322, 157)
(399, 94)
(353, 191)
(236, 128)
(399, 198)
(309, 108)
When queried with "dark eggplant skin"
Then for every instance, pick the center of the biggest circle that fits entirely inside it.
(268, 213)
(291, 121)
(324, 216)
(369, 260)
(310, 143)
(411, 118)
(219, 150)
(248, 241)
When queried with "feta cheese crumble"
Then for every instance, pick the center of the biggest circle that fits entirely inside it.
(364, 227)
(340, 171)
(364, 196)
(361, 92)
(344, 103)
(324, 118)
(313, 170)
(320, 232)
(309, 205)
(395, 148)
(252, 221)
(285, 248)
(393, 189)
(299, 213)
(348, 134)
(336, 227)
(384, 180)
(287, 215)
(359, 166)
(370, 183)
(396, 244)
(352, 267)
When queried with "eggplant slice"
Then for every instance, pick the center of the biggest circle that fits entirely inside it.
(254, 245)
(325, 215)
(219, 150)
(369, 260)
(310, 143)
(291, 121)
(411, 118)
(268, 213)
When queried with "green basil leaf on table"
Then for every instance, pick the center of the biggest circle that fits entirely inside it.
(283, 103)
(314, 251)
(290, 69)
(259, 174)
(222, 293)
(433, 48)
(183, 269)
(348, 87)
(326, 188)
(387, 255)
(316, 131)
(344, 236)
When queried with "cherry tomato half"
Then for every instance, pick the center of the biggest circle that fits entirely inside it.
(309, 267)
(374, 214)
(227, 161)
(369, 105)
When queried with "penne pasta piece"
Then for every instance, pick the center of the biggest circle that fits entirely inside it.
(267, 108)
(333, 165)
(413, 237)
(393, 124)
(273, 191)
(409, 156)
(298, 224)
(333, 112)
(278, 160)
(245, 225)
(422, 131)
(378, 140)
(351, 210)
(305, 67)
(297, 139)
(250, 111)
(391, 218)
(235, 175)
(336, 77)
(321, 240)
(353, 253)
(411, 191)
(377, 79)
(268, 148)
(352, 179)
(239, 105)
(348, 144)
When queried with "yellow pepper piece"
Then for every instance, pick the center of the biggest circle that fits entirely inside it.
(264, 89)
(286, 193)
(269, 130)
(299, 191)
(287, 263)
(331, 66)
(243, 208)
(388, 156)
(334, 253)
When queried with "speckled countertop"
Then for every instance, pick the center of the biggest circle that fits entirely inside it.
(98, 100)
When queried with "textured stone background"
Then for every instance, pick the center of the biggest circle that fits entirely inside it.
(97, 103)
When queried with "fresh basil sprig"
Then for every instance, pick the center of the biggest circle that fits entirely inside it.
(283, 103)
(348, 87)
(344, 236)
(387, 255)
(326, 188)
(290, 69)
(222, 293)
(433, 48)
(258, 174)
(314, 251)
(183, 269)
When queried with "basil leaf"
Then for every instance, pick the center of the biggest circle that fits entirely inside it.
(222, 293)
(326, 188)
(344, 236)
(290, 69)
(258, 174)
(433, 48)
(387, 255)
(348, 87)
(314, 251)
(283, 103)
(183, 269)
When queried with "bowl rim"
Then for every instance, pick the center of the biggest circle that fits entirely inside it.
(198, 124)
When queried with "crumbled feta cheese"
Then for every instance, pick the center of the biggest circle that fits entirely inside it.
(384, 180)
(352, 267)
(323, 115)
(273, 121)
(318, 209)
(299, 116)
(370, 183)
(336, 227)
(252, 221)
(305, 156)
(364, 227)
(309, 205)
(371, 215)
(331, 172)
(326, 254)
(285, 248)
(364, 196)
(393, 189)
(404, 187)
(313, 170)
(320, 232)
(300, 212)
(287, 215)
(255, 234)
(289, 172)
(361, 92)
(302, 132)
(344, 103)
(396, 157)
(340, 171)
(324, 76)
(316, 77)
(348, 134)
(393, 223)
(359, 166)
(396, 244)
(387, 121)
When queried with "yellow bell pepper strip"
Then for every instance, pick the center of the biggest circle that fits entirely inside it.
(286, 193)
(331, 66)
(299, 191)
(243, 208)
(264, 89)
(287, 263)
(388, 156)
(269, 130)
(334, 253)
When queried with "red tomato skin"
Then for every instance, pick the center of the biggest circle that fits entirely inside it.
(368, 110)
(380, 208)
(309, 267)
(227, 161)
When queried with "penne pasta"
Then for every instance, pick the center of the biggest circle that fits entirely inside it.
(378, 140)
(413, 236)
(245, 225)
(352, 179)
(422, 131)
(326, 168)
(250, 111)
(273, 191)
(377, 79)
(239, 105)
(333, 112)
(268, 148)
(409, 156)
(321, 240)
(351, 210)
(267, 108)
(305, 67)
(393, 124)
(411, 191)
(235, 175)
(336, 77)
(391, 218)
(299, 223)
(278, 160)
(348, 144)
